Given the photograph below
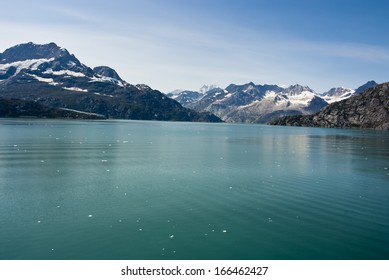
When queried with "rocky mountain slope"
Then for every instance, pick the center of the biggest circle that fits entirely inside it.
(50, 76)
(370, 109)
(251, 103)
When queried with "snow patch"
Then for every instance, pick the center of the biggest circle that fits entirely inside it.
(75, 89)
(303, 98)
(50, 81)
(103, 79)
(64, 72)
(97, 93)
(31, 64)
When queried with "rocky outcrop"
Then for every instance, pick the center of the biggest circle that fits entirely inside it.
(107, 72)
(369, 109)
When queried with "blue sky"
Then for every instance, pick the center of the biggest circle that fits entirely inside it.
(170, 44)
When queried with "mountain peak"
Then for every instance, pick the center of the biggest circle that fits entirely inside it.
(297, 89)
(337, 91)
(50, 76)
(107, 72)
(32, 51)
(362, 88)
(365, 110)
(206, 88)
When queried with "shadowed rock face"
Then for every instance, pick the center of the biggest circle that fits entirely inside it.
(369, 109)
(52, 77)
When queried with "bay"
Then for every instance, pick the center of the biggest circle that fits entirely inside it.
(166, 190)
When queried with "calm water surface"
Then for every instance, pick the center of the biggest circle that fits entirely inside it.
(161, 190)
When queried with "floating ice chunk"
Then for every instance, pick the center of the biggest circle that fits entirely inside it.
(224, 231)
(39, 222)
(42, 161)
(90, 216)
(140, 229)
(171, 236)
(104, 160)
(120, 221)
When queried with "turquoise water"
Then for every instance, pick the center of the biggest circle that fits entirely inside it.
(162, 190)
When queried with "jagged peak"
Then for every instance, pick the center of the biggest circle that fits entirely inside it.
(337, 91)
(297, 89)
(365, 86)
(206, 88)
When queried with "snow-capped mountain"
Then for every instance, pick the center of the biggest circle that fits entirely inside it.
(206, 88)
(255, 103)
(368, 109)
(341, 93)
(54, 78)
(251, 103)
(186, 97)
(337, 94)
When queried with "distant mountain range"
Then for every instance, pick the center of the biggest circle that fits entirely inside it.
(370, 109)
(251, 103)
(47, 81)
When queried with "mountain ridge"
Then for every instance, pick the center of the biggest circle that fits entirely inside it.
(51, 76)
(251, 103)
(369, 109)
